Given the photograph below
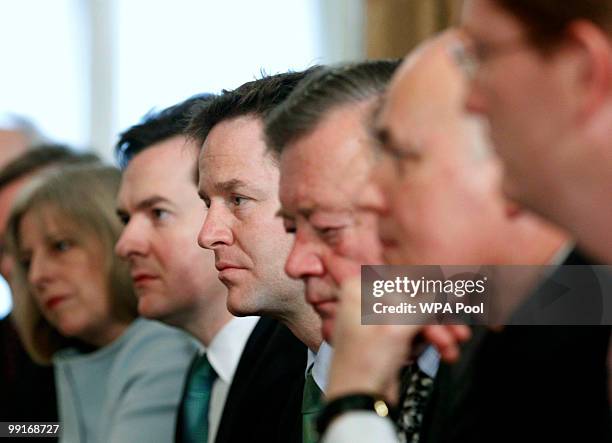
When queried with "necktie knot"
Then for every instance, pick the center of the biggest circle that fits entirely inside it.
(201, 377)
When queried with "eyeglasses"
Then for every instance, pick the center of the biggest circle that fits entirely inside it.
(471, 54)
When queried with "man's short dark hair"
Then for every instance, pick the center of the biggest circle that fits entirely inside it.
(547, 20)
(256, 98)
(156, 127)
(322, 92)
(40, 157)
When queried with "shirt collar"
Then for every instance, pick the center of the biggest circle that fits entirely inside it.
(320, 363)
(226, 347)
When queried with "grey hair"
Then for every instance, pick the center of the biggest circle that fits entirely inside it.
(322, 92)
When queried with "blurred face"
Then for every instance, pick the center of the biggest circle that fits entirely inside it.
(438, 202)
(13, 144)
(239, 184)
(321, 174)
(7, 197)
(162, 213)
(67, 278)
(529, 99)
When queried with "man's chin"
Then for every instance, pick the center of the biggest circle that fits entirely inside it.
(236, 305)
(147, 308)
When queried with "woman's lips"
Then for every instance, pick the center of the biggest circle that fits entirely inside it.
(52, 302)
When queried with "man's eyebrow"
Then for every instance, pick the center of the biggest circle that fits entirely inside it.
(147, 203)
(283, 214)
(230, 185)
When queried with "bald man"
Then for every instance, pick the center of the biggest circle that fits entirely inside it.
(438, 200)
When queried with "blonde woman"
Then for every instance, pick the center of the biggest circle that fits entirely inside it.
(119, 378)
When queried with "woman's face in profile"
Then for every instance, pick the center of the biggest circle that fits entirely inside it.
(67, 277)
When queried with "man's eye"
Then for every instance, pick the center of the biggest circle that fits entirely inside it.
(290, 228)
(329, 233)
(160, 214)
(206, 202)
(124, 219)
(238, 200)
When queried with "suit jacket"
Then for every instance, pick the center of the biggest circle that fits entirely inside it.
(525, 383)
(265, 397)
(28, 390)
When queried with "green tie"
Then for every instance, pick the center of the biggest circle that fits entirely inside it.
(312, 403)
(197, 398)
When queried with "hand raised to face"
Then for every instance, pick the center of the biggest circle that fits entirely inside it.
(368, 358)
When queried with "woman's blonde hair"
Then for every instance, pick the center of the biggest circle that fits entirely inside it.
(82, 197)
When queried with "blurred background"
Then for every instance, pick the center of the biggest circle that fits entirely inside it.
(84, 70)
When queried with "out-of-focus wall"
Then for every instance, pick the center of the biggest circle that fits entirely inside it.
(394, 27)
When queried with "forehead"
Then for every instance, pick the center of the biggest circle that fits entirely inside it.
(163, 166)
(426, 95)
(328, 166)
(235, 150)
(46, 220)
(478, 17)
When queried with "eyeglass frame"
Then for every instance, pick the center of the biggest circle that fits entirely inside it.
(470, 54)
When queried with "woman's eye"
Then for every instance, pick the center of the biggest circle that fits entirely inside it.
(25, 262)
(62, 245)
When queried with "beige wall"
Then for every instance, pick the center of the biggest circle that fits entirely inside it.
(394, 27)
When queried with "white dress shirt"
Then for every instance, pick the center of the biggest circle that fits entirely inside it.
(224, 354)
(320, 362)
(366, 426)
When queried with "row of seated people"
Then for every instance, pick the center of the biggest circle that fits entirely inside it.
(210, 289)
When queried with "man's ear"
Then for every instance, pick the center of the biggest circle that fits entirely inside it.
(595, 76)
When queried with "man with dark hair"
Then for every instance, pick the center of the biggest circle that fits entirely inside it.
(541, 75)
(28, 390)
(325, 159)
(175, 280)
(238, 182)
(158, 126)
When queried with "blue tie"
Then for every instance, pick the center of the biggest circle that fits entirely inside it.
(197, 399)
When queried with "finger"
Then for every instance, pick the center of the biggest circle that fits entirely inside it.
(460, 332)
(444, 341)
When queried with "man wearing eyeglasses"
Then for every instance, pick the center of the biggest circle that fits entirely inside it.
(542, 74)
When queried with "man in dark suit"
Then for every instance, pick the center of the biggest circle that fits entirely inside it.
(238, 183)
(176, 282)
(439, 204)
(543, 378)
(550, 122)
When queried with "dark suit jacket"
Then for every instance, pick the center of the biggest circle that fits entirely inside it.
(525, 383)
(27, 390)
(266, 389)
